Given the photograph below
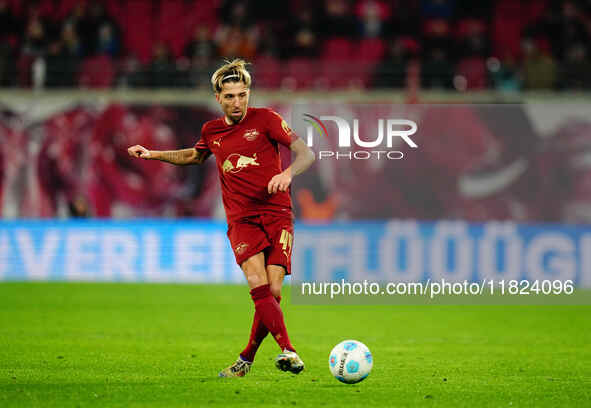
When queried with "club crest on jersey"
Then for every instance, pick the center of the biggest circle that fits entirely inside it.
(236, 162)
(240, 248)
(217, 143)
(251, 134)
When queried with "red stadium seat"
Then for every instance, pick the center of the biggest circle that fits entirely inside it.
(17, 7)
(268, 72)
(65, 7)
(140, 28)
(361, 73)
(24, 65)
(355, 73)
(97, 72)
(436, 27)
(21, 7)
(533, 10)
(202, 13)
(334, 74)
(337, 48)
(300, 73)
(116, 9)
(506, 29)
(473, 69)
(47, 9)
(335, 66)
(172, 26)
(469, 26)
(370, 49)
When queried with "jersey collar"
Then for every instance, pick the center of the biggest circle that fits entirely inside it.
(225, 119)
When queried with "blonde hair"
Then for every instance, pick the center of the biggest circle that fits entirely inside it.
(231, 71)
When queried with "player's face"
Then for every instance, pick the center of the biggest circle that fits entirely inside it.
(234, 100)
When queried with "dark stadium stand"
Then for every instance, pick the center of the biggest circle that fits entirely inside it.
(502, 44)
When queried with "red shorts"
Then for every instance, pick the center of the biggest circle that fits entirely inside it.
(269, 233)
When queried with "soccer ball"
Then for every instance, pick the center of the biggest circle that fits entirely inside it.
(350, 361)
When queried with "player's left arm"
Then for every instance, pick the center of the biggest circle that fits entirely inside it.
(304, 157)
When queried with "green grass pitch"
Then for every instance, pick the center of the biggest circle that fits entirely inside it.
(145, 345)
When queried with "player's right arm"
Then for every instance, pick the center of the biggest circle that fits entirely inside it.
(179, 157)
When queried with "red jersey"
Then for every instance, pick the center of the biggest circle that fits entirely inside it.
(247, 156)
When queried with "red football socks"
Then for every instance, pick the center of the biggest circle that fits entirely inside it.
(268, 317)
(258, 332)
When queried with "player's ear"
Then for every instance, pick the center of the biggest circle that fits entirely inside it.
(218, 97)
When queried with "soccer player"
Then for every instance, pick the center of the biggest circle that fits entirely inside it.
(255, 193)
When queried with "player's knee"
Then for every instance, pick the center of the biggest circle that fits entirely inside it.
(255, 280)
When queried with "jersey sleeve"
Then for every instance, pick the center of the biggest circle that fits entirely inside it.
(279, 130)
(201, 144)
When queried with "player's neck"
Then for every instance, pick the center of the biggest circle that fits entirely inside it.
(229, 121)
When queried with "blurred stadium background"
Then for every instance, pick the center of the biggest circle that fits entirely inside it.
(83, 80)
(300, 44)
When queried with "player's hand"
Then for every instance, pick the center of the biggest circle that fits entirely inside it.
(279, 182)
(139, 151)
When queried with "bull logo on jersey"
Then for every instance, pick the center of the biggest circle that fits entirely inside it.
(251, 135)
(236, 162)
